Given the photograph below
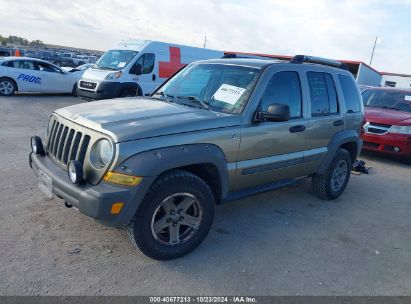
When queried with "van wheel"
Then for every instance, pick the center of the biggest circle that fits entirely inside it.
(174, 217)
(7, 87)
(128, 93)
(331, 184)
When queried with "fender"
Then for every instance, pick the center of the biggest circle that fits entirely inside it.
(339, 139)
(154, 162)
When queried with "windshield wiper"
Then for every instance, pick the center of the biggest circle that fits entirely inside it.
(195, 101)
(166, 96)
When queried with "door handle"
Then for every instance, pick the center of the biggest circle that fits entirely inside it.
(338, 122)
(299, 128)
(153, 77)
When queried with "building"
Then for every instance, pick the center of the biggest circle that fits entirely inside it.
(395, 80)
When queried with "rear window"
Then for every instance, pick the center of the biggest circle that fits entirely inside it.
(350, 92)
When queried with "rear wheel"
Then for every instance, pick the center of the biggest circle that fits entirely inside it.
(331, 184)
(174, 217)
(7, 87)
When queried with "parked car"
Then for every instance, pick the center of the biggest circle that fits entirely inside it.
(387, 126)
(23, 74)
(137, 67)
(218, 130)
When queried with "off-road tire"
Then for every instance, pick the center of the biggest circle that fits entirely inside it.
(11, 83)
(321, 183)
(139, 230)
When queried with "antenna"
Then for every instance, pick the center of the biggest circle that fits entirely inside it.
(373, 49)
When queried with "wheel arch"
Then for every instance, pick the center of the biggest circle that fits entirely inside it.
(348, 140)
(207, 161)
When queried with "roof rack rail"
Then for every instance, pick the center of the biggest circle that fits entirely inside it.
(299, 59)
(253, 56)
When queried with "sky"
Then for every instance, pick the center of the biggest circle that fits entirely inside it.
(327, 28)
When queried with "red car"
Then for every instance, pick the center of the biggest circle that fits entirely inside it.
(387, 127)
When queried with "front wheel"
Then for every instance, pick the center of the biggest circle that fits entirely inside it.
(174, 217)
(7, 87)
(331, 184)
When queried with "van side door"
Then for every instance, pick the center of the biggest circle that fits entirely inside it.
(148, 77)
(272, 151)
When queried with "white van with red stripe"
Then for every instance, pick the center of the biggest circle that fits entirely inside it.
(137, 67)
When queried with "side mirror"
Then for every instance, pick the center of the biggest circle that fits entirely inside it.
(136, 69)
(275, 112)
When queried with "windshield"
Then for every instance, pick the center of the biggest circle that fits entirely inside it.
(219, 87)
(115, 59)
(400, 101)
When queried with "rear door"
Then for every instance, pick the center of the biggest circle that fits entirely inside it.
(272, 151)
(53, 79)
(25, 74)
(326, 114)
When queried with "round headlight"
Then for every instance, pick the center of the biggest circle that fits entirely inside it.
(75, 171)
(103, 152)
(37, 145)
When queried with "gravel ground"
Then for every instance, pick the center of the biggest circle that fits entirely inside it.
(285, 242)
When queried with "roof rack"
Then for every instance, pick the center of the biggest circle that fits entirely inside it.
(253, 56)
(299, 59)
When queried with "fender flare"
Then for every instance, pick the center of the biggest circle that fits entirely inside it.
(157, 161)
(343, 137)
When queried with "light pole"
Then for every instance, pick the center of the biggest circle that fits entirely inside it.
(373, 49)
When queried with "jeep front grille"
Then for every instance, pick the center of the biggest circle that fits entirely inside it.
(67, 144)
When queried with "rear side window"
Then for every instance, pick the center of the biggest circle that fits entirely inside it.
(351, 95)
(20, 64)
(322, 94)
(284, 88)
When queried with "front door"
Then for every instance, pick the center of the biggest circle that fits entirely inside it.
(272, 151)
(148, 79)
(54, 80)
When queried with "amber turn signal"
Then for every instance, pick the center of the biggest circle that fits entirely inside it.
(122, 179)
(116, 208)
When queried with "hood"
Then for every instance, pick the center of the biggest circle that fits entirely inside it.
(387, 116)
(136, 118)
(96, 74)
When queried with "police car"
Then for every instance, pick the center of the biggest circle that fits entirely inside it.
(23, 74)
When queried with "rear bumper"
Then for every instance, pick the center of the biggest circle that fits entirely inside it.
(103, 90)
(387, 143)
(94, 201)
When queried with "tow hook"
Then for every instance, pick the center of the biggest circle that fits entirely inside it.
(67, 205)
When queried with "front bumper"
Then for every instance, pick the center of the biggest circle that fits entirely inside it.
(103, 90)
(94, 201)
(387, 143)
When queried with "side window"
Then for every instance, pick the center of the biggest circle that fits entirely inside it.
(27, 65)
(351, 95)
(44, 67)
(147, 63)
(284, 88)
(322, 94)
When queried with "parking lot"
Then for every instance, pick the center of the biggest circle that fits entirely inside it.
(286, 242)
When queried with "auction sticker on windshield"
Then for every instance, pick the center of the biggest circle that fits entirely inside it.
(122, 64)
(228, 93)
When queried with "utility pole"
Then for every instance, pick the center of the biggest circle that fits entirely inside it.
(205, 41)
(373, 49)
